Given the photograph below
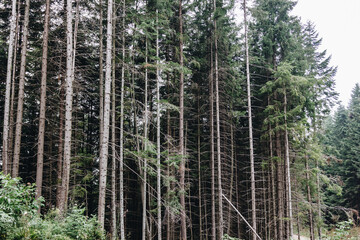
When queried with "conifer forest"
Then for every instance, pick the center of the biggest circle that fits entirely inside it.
(172, 119)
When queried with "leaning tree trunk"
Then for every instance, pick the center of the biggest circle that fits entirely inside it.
(105, 139)
(20, 105)
(68, 108)
(181, 130)
(40, 153)
(8, 86)
(252, 168)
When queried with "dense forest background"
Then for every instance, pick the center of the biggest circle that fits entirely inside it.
(164, 118)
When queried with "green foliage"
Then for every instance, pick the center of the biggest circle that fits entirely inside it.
(19, 218)
(342, 231)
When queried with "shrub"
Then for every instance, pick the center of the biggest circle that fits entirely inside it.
(19, 218)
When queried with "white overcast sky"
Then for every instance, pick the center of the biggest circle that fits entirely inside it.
(338, 23)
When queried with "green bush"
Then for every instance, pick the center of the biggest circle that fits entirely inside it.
(19, 218)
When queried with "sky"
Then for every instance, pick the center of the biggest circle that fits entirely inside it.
(338, 24)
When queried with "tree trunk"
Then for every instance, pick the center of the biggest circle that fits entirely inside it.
(218, 134)
(158, 156)
(122, 217)
(5, 156)
(287, 156)
(68, 108)
(105, 140)
(113, 135)
(101, 75)
(40, 153)
(252, 167)
(20, 105)
(311, 221)
(181, 129)
(212, 145)
(280, 192)
(146, 117)
(13, 86)
(318, 199)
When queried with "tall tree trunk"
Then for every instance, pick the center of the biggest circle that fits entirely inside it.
(101, 75)
(61, 143)
(113, 134)
(218, 134)
(158, 156)
(273, 195)
(280, 200)
(12, 103)
(199, 164)
(20, 105)
(287, 157)
(318, 199)
(311, 221)
(5, 147)
(146, 117)
(231, 176)
(252, 167)
(122, 217)
(181, 129)
(105, 140)
(68, 108)
(40, 153)
(212, 145)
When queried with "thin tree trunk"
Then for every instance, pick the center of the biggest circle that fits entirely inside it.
(199, 163)
(212, 145)
(273, 195)
(68, 109)
(231, 177)
(122, 217)
(158, 156)
(280, 200)
(60, 144)
(40, 153)
(20, 105)
(252, 167)
(5, 155)
(311, 221)
(287, 156)
(11, 123)
(113, 136)
(218, 134)
(101, 75)
(146, 117)
(105, 140)
(318, 199)
(181, 130)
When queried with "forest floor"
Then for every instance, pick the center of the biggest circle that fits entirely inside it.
(295, 236)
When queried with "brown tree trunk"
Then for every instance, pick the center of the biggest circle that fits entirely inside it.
(20, 105)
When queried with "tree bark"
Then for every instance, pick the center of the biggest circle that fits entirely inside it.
(121, 177)
(113, 134)
(40, 153)
(311, 221)
(287, 156)
(181, 129)
(8, 88)
(218, 133)
(20, 105)
(105, 140)
(252, 167)
(158, 146)
(68, 108)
